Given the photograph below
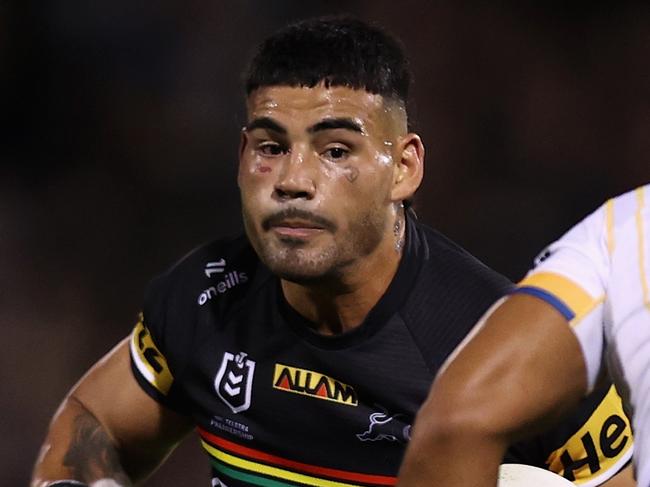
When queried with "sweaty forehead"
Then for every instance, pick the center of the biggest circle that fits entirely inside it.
(296, 105)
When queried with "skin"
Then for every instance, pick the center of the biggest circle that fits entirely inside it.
(501, 387)
(322, 174)
(321, 208)
(108, 427)
(321, 205)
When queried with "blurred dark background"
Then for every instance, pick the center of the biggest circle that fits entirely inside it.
(119, 127)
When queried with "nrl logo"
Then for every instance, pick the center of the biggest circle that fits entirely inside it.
(234, 381)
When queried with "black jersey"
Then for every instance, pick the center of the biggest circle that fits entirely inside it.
(276, 403)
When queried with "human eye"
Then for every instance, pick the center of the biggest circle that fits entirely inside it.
(336, 153)
(271, 149)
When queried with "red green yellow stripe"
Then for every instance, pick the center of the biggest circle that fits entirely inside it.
(247, 458)
(246, 477)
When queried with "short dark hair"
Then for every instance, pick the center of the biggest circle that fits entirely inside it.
(336, 51)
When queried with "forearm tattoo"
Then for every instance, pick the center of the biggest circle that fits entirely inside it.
(91, 454)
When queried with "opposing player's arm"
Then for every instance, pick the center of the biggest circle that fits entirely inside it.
(625, 478)
(521, 372)
(108, 427)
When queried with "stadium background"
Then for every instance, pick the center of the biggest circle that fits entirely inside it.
(119, 130)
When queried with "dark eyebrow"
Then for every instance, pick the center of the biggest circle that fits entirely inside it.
(336, 123)
(266, 123)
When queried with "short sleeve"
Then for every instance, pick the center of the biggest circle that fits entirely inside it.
(587, 447)
(153, 359)
(571, 275)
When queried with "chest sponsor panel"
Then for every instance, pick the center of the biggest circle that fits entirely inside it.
(313, 384)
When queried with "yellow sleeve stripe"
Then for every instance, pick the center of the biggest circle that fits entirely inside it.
(573, 296)
(609, 218)
(149, 361)
(641, 238)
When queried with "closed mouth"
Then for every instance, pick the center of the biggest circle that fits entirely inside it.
(296, 219)
(294, 223)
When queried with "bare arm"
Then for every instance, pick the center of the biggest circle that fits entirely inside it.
(625, 478)
(108, 427)
(520, 373)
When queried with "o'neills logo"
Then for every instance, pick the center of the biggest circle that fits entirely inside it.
(230, 280)
(310, 383)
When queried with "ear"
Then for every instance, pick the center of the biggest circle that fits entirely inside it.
(409, 168)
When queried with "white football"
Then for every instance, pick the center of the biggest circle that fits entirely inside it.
(518, 475)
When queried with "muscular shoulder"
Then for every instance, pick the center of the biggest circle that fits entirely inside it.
(212, 264)
(210, 260)
(452, 291)
(449, 261)
(215, 275)
(453, 278)
(181, 308)
(584, 252)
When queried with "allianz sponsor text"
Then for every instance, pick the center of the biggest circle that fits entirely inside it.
(313, 384)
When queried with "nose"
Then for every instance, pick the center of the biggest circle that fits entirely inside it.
(295, 180)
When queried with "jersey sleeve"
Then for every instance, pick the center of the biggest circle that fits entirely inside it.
(156, 357)
(588, 447)
(571, 275)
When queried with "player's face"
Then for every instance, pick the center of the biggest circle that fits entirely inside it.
(315, 174)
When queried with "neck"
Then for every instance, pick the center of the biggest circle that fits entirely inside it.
(342, 304)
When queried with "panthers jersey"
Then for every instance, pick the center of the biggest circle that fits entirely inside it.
(598, 277)
(276, 403)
